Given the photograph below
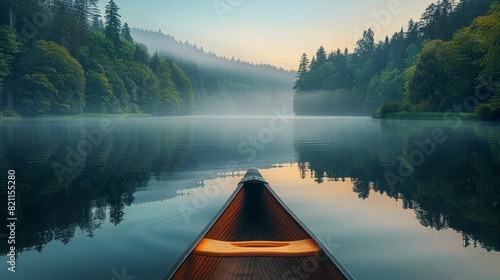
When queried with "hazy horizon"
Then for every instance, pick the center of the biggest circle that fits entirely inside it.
(275, 33)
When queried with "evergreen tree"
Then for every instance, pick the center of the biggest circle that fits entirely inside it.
(141, 53)
(301, 73)
(113, 23)
(412, 35)
(9, 48)
(184, 88)
(319, 59)
(81, 17)
(365, 45)
(97, 24)
(126, 33)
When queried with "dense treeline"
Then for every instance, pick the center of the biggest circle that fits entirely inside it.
(219, 80)
(60, 57)
(449, 56)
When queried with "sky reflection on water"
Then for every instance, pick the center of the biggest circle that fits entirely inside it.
(122, 207)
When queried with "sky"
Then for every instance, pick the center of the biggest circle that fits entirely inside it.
(274, 32)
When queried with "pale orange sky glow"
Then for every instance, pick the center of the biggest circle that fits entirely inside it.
(274, 32)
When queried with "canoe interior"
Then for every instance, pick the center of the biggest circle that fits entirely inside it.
(255, 214)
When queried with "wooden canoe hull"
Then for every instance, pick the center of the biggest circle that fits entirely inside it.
(261, 227)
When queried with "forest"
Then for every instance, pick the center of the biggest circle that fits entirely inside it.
(61, 58)
(223, 84)
(448, 61)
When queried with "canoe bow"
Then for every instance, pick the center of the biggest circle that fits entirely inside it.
(256, 236)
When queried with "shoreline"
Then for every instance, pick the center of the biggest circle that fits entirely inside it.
(434, 116)
(81, 116)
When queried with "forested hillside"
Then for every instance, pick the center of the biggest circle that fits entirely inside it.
(448, 56)
(223, 84)
(60, 57)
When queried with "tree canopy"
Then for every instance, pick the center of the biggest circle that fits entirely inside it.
(443, 60)
(52, 81)
(85, 65)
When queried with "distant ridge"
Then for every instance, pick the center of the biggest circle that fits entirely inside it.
(224, 86)
(166, 44)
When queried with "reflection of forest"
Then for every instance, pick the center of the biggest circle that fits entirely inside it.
(456, 187)
(97, 190)
(93, 192)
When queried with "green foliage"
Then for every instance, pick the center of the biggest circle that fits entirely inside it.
(302, 73)
(141, 54)
(184, 88)
(433, 66)
(111, 73)
(462, 67)
(52, 81)
(9, 114)
(100, 48)
(365, 45)
(9, 49)
(126, 33)
(447, 74)
(99, 92)
(428, 84)
(490, 110)
(113, 24)
(319, 60)
(119, 80)
(68, 22)
(389, 107)
(97, 24)
(488, 30)
(38, 94)
(387, 86)
(167, 95)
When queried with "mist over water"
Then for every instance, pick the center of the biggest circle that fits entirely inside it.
(225, 86)
(255, 104)
(130, 193)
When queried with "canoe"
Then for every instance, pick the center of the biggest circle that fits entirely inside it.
(256, 236)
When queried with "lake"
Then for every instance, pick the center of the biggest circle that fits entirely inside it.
(123, 198)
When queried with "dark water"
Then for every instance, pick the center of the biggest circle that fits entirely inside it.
(118, 199)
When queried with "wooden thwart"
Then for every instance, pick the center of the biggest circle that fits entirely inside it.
(257, 248)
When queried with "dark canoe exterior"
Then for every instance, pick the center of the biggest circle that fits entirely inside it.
(254, 212)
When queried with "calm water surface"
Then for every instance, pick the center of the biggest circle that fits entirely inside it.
(109, 199)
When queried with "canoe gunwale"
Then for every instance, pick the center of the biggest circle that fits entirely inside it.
(247, 180)
(321, 245)
(204, 232)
